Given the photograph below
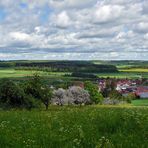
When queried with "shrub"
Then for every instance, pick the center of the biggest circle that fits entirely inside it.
(130, 97)
(115, 95)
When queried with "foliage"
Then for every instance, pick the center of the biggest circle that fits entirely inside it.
(115, 95)
(12, 95)
(38, 90)
(95, 96)
(68, 66)
(33, 86)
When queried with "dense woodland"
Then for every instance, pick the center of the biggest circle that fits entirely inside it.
(61, 66)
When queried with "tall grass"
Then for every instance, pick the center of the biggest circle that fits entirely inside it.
(75, 127)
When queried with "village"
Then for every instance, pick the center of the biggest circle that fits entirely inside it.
(125, 87)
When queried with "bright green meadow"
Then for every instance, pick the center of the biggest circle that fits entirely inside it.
(75, 127)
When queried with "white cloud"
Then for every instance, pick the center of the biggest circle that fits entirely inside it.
(20, 36)
(74, 29)
(68, 4)
(63, 20)
(142, 27)
(107, 13)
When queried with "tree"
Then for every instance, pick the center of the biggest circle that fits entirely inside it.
(77, 95)
(92, 89)
(39, 90)
(33, 86)
(12, 95)
(46, 95)
(59, 97)
(73, 95)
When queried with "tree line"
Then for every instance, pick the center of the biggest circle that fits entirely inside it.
(60, 66)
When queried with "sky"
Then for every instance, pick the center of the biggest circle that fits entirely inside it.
(73, 29)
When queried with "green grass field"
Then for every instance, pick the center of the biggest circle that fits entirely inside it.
(142, 102)
(75, 127)
(12, 73)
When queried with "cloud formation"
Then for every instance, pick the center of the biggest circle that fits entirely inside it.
(74, 29)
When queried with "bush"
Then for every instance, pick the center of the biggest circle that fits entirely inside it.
(129, 98)
(115, 95)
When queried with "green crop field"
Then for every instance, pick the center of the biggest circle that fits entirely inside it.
(79, 127)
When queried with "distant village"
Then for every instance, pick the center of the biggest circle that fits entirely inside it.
(137, 87)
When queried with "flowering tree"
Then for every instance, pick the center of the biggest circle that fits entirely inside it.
(79, 95)
(73, 95)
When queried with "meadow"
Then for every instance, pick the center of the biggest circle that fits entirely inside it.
(75, 127)
(12, 73)
(140, 102)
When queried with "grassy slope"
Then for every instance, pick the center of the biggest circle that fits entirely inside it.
(66, 127)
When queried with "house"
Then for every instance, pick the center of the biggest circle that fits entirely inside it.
(142, 92)
(125, 86)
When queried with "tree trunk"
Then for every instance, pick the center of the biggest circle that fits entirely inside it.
(46, 107)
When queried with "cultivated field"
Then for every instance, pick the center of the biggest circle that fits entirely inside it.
(67, 127)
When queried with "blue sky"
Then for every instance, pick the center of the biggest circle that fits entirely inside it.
(74, 29)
